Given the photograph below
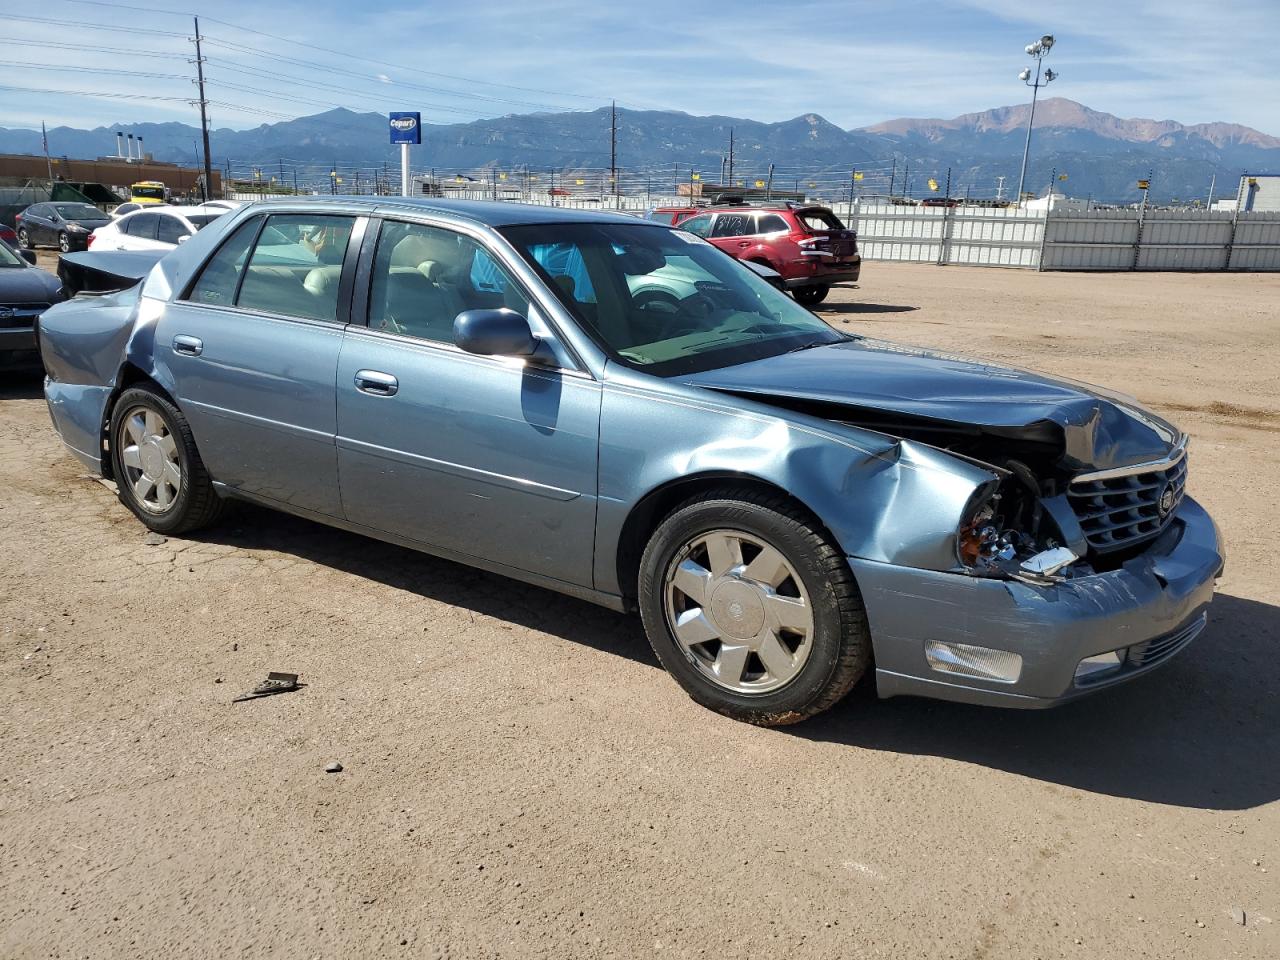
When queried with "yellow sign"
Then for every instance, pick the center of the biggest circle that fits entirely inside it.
(812, 184)
(579, 182)
(1062, 176)
(857, 174)
(759, 183)
(1144, 184)
(695, 176)
(933, 184)
(502, 176)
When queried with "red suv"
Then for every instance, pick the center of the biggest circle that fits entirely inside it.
(807, 245)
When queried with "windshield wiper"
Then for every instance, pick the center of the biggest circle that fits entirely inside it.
(810, 345)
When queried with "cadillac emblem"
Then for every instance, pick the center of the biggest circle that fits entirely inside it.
(1167, 500)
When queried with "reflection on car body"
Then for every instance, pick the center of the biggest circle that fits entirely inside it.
(614, 409)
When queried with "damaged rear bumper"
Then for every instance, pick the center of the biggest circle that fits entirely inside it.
(1149, 609)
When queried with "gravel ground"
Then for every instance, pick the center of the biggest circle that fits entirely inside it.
(521, 780)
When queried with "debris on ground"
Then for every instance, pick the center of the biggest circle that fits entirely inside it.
(154, 539)
(1237, 914)
(334, 767)
(275, 683)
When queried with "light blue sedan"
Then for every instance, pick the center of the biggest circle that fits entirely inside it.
(617, 410)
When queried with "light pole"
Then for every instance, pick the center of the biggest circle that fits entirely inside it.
(1039, 50)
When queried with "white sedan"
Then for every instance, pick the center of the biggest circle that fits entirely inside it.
(154, 229)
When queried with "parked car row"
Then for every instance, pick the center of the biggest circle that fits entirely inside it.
(806, 244)
(25, 292)
(130, 226)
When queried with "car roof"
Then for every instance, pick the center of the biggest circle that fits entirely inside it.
(492, 213)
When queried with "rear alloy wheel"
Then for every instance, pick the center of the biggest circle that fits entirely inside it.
(810, 296)
(24, 238)
(752, 608)
(64, 242)
(157, 468)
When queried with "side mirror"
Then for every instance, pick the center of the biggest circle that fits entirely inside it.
(28, 255)
(184, 238)
(498, 333)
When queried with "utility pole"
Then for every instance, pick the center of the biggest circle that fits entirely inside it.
(769, 192)
(731, 156)
(999, 188)
(204, 111)
(893, 174)
(853, 175)
(613, 149)
(1039, 49)
(1213, 182)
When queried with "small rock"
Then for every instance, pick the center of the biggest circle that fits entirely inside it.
(1257, 863)
(1199, 923)
(334, 767)
(154, 539)
(1237, 914)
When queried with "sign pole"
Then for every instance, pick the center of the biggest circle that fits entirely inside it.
(406, 128)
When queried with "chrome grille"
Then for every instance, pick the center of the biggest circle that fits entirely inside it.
(1118, 509)
(1161, 648)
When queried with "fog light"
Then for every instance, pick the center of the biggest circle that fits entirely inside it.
(1097, 666)
(971, 661)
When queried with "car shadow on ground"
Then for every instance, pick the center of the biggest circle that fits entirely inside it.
(250, 527)
(866, 308)
(1202, 731)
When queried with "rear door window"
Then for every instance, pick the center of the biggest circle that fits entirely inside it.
(296, 266)
(220, 278)
(771, 223)
(142, 225)
(732, 225)
(171, 230)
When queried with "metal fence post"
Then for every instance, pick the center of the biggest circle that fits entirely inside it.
(1231, 240)
(944, 248)
(1044, 234)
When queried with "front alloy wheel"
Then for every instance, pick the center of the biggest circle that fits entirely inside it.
(64, 242)
(752, 608)
(24, 239)
(739, 610)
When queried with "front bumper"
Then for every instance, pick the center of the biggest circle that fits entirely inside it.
(1159, 596)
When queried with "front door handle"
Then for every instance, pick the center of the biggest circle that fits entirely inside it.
(376, 383)
(188, 346)
(744, 243)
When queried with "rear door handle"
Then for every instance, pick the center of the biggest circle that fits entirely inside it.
(744, 243)
(376, 383)
(188, 346)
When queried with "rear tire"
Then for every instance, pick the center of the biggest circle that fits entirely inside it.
(810, 296)
(24, 239)
(158, 470)
(752, 608)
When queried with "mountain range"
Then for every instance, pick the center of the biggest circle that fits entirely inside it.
(1102, 155)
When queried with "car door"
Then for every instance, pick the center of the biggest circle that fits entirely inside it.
(138, 232)
(252, 347)
(480, 457)
(730, 230)
(39, 225)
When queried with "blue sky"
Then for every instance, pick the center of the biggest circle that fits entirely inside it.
(855, 63)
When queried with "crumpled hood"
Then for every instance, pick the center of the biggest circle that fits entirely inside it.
(1099, 429)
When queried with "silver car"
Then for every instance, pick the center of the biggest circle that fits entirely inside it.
(619, 411)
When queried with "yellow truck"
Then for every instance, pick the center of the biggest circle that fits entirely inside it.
(148, 191)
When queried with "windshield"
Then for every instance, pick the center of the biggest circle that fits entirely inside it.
(199, 220)
(663, 301)
(78, 211)
(10, 259)
(149, 193)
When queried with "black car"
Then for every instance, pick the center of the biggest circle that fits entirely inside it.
(62, 224)
(25, 292)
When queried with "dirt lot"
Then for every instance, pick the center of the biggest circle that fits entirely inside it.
(521, 780)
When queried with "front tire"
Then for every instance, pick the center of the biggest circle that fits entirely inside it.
(157, 467)
(24, 239)
(64, 242)
(810, 296)
(752, 608)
